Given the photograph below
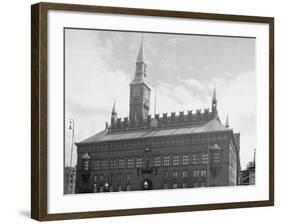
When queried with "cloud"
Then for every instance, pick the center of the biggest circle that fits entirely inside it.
(91, 86)
(236, 97)
(194, 83)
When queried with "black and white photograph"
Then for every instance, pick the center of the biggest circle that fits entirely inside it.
(158, 111)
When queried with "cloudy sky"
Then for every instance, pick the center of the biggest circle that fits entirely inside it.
(99, 66)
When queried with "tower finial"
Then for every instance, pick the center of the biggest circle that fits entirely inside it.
(227, 122)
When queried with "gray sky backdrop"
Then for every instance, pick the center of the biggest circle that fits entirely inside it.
(99, 66)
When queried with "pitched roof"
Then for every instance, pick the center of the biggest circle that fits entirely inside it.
(211, 126)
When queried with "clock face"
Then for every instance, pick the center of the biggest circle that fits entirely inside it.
(136, 92)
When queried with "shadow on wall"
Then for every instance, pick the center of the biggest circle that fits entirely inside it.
(24, 213)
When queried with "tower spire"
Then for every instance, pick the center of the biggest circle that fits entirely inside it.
(214, 95)
(214, 104)
(113, 114)
(227, 122)
(139, 88)
(113, 108)
(140, 74)
(140, 57)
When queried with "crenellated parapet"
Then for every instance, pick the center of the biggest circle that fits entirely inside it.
(164, 120)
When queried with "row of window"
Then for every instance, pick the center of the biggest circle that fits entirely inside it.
(184, 174)
(101, 178)
(109, 188)
(184, 185)
(175, 175)
(195, 159)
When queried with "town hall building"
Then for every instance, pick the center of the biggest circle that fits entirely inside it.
(168, 151)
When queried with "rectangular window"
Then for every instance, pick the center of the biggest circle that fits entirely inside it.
(205, 158)
(113, 164)
(195, 185)
(130, 163)
(185, 160)
(121, 163)
(175, 174)
(176, 160)
(196, 173)
(128, 177)
(139, 162)
(96, 164)
(216, 157)
(203, 173)
(166, 176)
(86, 165)
(195, 159)
(166, 161)
(157, 161)
(175, 185)
(184, 174)
(104, 164)
(95, 178)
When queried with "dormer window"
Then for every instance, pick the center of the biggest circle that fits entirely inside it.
(86, 156)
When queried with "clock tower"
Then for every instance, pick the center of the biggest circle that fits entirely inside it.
(139, 90)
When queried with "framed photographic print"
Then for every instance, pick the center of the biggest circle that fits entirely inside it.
(140, 111)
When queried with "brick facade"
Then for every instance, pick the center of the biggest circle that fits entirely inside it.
(180, 161)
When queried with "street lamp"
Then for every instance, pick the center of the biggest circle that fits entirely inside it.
(71, 127)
